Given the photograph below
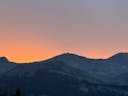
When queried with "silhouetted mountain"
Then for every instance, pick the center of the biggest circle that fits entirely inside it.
(5, 65)
(67, 75)
(121, 57)
(3, 60)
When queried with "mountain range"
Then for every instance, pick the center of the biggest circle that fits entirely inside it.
(67, 75)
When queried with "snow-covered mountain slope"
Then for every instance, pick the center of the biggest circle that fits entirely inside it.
(97, 70)
(101, 69)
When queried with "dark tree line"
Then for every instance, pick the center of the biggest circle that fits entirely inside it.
(17, 93)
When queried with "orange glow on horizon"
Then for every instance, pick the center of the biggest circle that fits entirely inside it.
(33, 57)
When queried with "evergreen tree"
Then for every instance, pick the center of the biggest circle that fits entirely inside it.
(18, 92)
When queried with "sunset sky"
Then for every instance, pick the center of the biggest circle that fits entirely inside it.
(32, 30)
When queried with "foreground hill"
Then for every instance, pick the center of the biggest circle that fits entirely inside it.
(67, 75)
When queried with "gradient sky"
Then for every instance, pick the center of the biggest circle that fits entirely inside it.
(32, 30)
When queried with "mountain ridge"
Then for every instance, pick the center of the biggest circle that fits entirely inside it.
(117, 55)
(121, 55)
(4, 59)
(66, 73)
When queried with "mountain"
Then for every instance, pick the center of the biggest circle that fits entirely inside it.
(70, 74)
(3, 59)
(5, 65)
(120, 57)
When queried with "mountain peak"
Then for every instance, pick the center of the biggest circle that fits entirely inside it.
(3, 59)
(121, 55)
(68, 55)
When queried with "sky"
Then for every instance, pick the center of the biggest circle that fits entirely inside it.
(33, 30)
